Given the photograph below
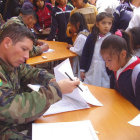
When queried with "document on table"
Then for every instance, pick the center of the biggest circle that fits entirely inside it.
(49, 50)
(135, 121)
(80, 130)
(72, 101)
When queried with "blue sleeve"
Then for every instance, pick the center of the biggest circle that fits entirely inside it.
(116, 21)
(87, 53)
(137, 91)
(54, 26)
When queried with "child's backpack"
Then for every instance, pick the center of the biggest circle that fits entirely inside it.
(135, 73)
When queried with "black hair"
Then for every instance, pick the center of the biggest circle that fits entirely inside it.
(135, 37)
(95, 30)
(78, 18)
(16, 32)
(34, 3)
(116, 44)
(85, 1)
(126, 1)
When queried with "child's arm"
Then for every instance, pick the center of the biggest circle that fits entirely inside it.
(79, 44)
(82, 75)
(87, 53)
(69, 46)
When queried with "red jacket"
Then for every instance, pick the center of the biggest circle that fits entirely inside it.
(44, 16)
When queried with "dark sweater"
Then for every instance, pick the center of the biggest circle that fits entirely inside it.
(87, 53)
(122, 16)
(124, 84)
(59, 23)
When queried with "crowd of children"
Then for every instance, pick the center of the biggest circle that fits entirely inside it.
(107, 54)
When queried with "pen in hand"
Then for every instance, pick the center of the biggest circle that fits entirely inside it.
(73, 80)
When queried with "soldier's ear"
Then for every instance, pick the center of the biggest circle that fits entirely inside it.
(7, 42)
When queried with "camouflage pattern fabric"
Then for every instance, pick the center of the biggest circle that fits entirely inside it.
(19, 105)
(36, 50)
(1, 20)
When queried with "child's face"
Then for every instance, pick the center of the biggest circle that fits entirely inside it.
(62, 2)
(104, 25)
(40, 4)
(73, 28)
(114, 61)
(78, 3)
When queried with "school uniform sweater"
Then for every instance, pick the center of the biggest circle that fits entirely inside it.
(122, 82)
(122, 16)
(60, 20)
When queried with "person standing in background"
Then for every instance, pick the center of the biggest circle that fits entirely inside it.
(123, 14)
(43, 11)
(85, 6)
(92, 66)
(60, 18)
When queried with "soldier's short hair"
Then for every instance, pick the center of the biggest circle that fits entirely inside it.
(16, 32)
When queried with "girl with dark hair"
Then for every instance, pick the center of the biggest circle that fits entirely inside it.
(78, 26)
(92, 66)
(134, 34)
(117, 54)
(85, 8)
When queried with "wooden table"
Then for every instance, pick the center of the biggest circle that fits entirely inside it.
(60, 53)
(111, 120)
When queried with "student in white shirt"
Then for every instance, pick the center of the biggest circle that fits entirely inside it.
(78, 26)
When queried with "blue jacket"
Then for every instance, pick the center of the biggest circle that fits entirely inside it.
(124, 84)
(59, 23)
(122, 16)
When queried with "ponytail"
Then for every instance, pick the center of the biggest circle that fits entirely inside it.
(95, 33)
(126, 36)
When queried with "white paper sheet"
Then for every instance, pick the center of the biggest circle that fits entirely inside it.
(72, 101)
(86, 94)
(49, 50)
(69, 102)
(135, 121)
(80, 130)
(34, 87)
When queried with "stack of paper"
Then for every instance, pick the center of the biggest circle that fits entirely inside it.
(75, 100)
(81, 130)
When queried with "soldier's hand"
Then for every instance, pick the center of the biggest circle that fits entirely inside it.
(44, 47)
(39, 43)
(67, 86)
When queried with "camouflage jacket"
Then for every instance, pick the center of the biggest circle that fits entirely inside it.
(36, 50)
(1, 20)
(20, 105)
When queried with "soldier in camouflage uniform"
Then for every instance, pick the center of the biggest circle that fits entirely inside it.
(28, 18)
(19, 105)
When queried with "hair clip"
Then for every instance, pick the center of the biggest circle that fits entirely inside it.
(118, 33)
